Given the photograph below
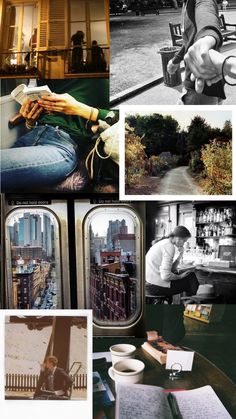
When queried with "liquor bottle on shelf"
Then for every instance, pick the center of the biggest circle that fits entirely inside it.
(224, 215)
(221, 216)
(200, 220)
(215, 215)
(211, 215)
(197, 217)
(211, 230)
(204, 217)
(215, 231)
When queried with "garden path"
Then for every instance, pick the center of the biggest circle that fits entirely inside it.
(178, 181)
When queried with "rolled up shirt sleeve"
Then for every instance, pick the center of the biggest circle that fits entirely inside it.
(168, 253)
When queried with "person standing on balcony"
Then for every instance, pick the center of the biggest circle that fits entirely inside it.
(29, 58)
(98, 62)
(77, 53)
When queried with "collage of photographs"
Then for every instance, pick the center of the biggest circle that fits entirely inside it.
(118, 209)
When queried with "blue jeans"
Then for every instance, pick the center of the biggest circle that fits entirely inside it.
(44, 156)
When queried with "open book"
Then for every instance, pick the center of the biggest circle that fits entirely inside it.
(186, 267)
(22, 92)
(143, 401)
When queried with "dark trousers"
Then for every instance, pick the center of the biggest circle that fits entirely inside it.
(189, 284)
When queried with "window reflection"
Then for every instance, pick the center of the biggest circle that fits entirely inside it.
(22, 22)
(33, 260)
(98, 32)
(97, 10)
(113, 271)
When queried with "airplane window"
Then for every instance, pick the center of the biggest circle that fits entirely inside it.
(33, 259)
(112, 263)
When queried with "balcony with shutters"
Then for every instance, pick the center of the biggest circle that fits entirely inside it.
(40, 38)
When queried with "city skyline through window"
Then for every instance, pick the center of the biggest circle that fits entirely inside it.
(33, 262)
(113, 271)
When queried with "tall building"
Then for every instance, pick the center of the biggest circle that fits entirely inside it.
(118, 237)
(113, 228)
(21, 232)
(26, 219)
(35, 230)
(29, 281)
(27, 231)
(47, 235)
(16, 233)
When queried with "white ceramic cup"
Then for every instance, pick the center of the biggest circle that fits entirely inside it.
(122, 351)
(128, 371)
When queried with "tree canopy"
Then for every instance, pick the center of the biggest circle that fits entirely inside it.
(162, 133)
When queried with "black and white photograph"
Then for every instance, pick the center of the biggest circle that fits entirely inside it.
(173, 52)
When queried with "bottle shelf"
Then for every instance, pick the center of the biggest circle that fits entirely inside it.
(212, 222)
(216, 237)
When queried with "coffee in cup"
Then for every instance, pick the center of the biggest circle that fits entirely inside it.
(128, 371)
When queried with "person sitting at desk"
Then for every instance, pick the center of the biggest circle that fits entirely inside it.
(161, 266)
(53, 381)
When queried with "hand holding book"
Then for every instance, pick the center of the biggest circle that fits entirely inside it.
(68, 105)
(30, 111)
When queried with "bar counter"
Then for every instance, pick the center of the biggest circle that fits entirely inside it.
(223, 279)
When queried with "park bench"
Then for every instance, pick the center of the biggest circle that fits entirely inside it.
(176, 34)
(228, 31)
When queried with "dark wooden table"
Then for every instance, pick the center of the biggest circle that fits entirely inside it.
(203, 373)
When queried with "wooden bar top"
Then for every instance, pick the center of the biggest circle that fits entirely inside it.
(216, 269)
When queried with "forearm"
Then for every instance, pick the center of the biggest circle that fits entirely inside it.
(175, 264)
(179, 56)
(86, 112)
(207, 21)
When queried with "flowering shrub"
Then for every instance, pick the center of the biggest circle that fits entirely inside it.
(164, 161)
(135, 157)
(217, 159)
